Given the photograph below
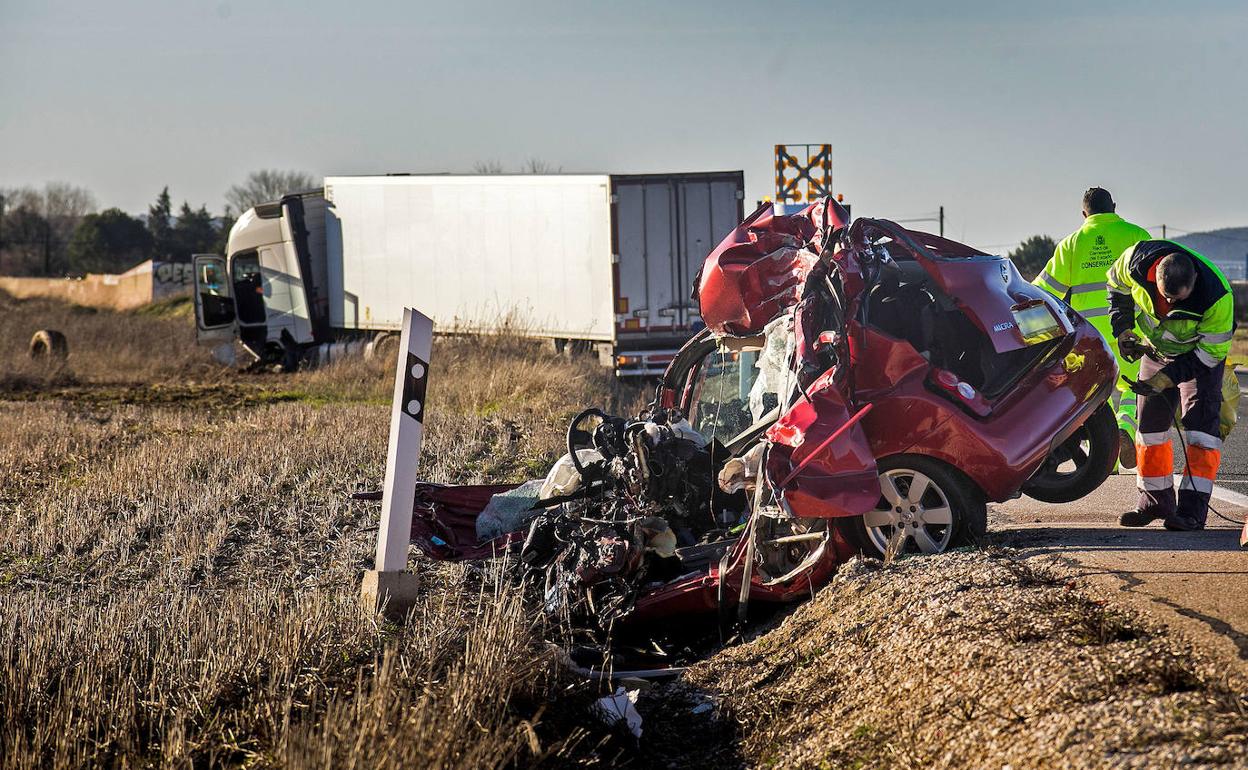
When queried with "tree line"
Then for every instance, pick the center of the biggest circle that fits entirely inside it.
(58, 231)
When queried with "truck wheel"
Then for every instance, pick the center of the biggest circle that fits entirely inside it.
(49, 343)
(1080, 464)
(934, 506)
(383, 346)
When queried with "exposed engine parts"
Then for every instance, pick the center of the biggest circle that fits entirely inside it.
(642, 488)
(650, 500)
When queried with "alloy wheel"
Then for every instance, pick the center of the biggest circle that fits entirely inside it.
(914, 504)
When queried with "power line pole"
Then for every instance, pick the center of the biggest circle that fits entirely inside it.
(942, 221)
(1163, 232)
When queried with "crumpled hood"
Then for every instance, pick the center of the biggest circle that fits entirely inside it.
(759, 269)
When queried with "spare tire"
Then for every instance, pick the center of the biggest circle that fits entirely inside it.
(1079, 464)
(48, 343)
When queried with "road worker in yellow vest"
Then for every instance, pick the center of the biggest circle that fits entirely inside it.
(1077, 272)
(1184, 311)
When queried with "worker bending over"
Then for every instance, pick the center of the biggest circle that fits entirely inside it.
(1077, 273)
(1182, 304)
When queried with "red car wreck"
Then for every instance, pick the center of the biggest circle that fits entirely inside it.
(859, 387)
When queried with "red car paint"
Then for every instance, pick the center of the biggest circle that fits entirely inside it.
(998, 444)
(758, 270)
(823, 449)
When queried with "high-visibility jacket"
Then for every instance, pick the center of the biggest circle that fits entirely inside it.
(1196, 331)
(1077, 271)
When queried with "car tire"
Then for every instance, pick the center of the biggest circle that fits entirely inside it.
(1093, 450)
(959, 514)
(49, 343)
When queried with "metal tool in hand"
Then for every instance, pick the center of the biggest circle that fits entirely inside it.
(1132, 348)
(1140, 388)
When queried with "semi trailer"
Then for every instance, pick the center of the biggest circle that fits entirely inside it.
(600, 262)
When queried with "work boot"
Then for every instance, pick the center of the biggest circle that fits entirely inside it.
(1137, 519)
(1126, 449)
(1180, 523)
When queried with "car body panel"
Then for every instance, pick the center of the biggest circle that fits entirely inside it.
(758, 269)
(821, 459)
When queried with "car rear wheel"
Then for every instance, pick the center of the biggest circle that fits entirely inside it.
(1079, 464)
(931, 505)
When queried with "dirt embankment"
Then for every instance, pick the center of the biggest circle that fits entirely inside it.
(964, 660)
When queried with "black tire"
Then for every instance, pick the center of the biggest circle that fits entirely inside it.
(1091, 452)
(385, 345)
(968, 513)
(49, 343)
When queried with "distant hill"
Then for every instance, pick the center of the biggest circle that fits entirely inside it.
(1228, 247)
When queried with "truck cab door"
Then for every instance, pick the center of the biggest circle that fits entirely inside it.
(216, 316)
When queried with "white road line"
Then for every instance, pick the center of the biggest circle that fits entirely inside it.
(1227, 496)
(1221, 493)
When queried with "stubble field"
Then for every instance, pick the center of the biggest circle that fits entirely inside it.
(180, 562)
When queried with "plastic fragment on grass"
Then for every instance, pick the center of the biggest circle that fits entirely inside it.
(620, 708)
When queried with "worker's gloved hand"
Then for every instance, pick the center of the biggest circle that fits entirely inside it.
(1152, 386)
(1131, 347)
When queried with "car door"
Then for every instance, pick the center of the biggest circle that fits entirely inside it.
(216, 316)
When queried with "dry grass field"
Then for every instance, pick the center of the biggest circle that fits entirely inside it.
(180, 563)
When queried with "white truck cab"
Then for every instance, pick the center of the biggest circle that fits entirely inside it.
(257, 294)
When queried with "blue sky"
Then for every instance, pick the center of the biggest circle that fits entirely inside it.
(1002, 114)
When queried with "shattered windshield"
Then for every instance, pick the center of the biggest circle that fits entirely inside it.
(736, 389)
(721, 397)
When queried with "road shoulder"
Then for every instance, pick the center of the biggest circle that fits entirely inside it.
(1196, 583)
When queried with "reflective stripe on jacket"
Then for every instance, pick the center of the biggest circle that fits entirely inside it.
(1197, 330)
(1079, 265)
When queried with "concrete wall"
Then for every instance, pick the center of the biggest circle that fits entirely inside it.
(141, 285)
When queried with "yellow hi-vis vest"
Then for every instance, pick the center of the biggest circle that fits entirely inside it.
(1080, 264)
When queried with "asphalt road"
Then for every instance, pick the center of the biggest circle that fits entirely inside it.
(1234, 471)
(1195, 582)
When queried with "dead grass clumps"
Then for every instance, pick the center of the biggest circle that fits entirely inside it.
(971, 660)
(180, 561)
(104, 346)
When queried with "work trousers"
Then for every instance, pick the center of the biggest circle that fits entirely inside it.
(1201, 400)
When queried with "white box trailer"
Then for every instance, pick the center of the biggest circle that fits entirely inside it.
(583, 259)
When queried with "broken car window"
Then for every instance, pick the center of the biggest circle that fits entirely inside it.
(721, 408)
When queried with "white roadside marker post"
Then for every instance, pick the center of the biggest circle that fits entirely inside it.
(390, 584)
